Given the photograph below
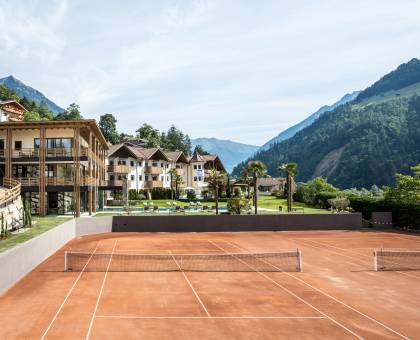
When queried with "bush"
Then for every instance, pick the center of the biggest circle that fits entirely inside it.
(339, 203)
(161, 193)
(238, 204)
(191, 195)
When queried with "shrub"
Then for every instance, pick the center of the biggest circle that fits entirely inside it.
(238, 204)
(339, 203)
(191, 195)
(161, 193)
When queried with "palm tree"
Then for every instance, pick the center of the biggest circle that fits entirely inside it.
(177, 179)
(215, 180)
(245, 179)
(291, 171)
(257, 169)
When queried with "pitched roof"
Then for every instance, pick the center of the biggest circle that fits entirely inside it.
(176, 156)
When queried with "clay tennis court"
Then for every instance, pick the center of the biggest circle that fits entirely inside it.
(337, 295)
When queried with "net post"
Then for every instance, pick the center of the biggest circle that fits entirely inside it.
(65, 261)
(300, 260)
(375, 260)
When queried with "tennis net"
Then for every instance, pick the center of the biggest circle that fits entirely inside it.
(241, 262)
(386, 259)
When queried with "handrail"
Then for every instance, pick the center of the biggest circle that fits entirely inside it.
(11, 191)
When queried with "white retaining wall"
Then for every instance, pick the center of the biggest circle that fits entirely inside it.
(15, 263)
(95, 225)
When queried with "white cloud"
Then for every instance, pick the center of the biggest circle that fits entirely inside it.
(29, 33)
(221, 68)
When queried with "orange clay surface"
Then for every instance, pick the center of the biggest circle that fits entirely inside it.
(338, 295)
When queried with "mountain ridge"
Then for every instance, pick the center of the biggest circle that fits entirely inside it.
(230, 152)
(23, 90)
(361, 143)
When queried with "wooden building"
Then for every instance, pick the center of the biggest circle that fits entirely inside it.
(60, 164)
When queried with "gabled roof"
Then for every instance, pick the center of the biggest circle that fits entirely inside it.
(14, 102)
(138, 152)
(113, 149)
(176, 156)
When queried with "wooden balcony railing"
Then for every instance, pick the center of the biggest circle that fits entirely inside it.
(153, 184)
(115, 183)
(118, 169)
(10, 192)
(153, 170)
(34, 181)
(50, 152)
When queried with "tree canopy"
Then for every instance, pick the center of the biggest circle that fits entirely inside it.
(108, 126)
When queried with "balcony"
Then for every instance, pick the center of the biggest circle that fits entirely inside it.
(115, 183)
(153, 170)
(51, 152)
(153, 184)
(34, 181)
(118, 169)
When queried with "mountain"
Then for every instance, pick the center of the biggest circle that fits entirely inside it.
(291, 131)
(231, 153)
(363, 142)
(30, 93)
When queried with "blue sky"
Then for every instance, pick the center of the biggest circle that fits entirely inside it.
(240, 70)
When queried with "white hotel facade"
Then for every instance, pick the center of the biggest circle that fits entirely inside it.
(148, 168)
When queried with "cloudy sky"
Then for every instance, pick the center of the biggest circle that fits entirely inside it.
(240, 70)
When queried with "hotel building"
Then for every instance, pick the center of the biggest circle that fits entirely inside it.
(60, 164)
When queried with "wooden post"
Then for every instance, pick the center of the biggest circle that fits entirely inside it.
(91, 186)
(8, 154)
(42, 208)
(76, 158)
(95, 173)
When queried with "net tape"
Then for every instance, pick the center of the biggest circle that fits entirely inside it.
(385, 259)
(241, 262)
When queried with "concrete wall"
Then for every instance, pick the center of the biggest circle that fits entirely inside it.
(20, 260)
(96, 225)
(237, 222)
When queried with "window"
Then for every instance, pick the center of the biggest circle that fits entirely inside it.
(167, 178)
(167, 166)
(1, 144)
(140, 178)
(195, 178)
(155, 178)
(199, 179)
(146, 177)
(161, 165)
(195, 167)
(161, 178)
(199, 167)
(132, 177)
(18, 145)
(122, 162)
(111, 177)
(131, 163)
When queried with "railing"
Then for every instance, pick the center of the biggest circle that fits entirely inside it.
(153, 170)
(179, 171)
(119, 169)
(116, 183)
(34, 181)
(11, 191)
(50, 152)
(153, 184)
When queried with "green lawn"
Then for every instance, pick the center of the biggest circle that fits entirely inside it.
(271, 202)
(43, 224)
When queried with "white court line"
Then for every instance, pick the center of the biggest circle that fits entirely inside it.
(293, 294)
(68, 294)
(335, 299)
(207, 317)
(100, 293)
(191, 286)
(351, 257)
